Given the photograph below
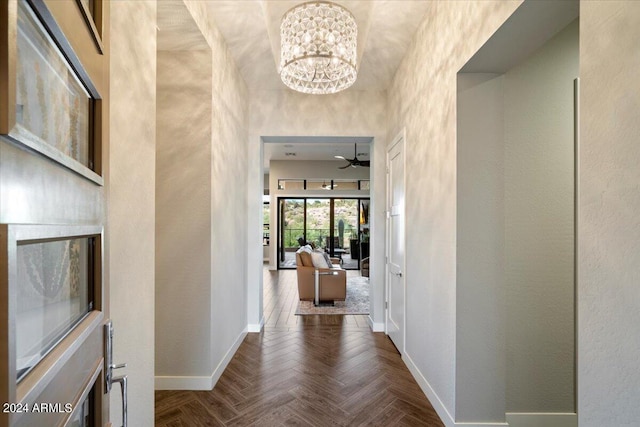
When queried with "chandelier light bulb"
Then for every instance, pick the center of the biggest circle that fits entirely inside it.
(318, 51)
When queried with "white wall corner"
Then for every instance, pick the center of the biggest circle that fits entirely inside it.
(375, 326)
(442, 411)
(542, 419)
(435, 401)
(256, 328)
(205, 383)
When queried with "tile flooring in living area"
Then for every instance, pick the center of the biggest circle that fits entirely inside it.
(307, 371)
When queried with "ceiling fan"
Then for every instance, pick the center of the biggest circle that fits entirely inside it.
(354, 162)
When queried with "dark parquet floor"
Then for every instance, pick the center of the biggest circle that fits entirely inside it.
(304, 371)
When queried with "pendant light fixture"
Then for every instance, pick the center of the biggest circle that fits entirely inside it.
(318, 48)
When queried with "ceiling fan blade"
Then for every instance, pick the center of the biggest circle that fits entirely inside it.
(344, 167)
(340, 157)
(365, 163)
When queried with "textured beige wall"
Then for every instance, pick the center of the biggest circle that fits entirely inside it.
(228, 195)
(609, 232)
(183, 213)
(206, 170)
(422, 99)
(131, 189)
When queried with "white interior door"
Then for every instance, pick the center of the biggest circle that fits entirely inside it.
(395, 280)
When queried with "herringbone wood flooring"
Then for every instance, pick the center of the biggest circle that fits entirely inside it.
(304, 371)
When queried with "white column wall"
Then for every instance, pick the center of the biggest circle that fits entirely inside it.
(609, 231)
(131, 215)
(229, 208)
(480, 294)
(539, 243)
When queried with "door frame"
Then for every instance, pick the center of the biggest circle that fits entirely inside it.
(400, 138)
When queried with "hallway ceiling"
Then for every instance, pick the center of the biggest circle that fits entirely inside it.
(251, 29)
(322, 151)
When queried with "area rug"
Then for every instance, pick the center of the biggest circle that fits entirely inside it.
(357, 301)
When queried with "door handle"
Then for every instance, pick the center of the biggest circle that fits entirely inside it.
(123, 389)
(109, 366)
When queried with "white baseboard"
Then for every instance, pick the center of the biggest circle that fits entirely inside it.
(542, 419)
(375, 326)
(437, 404)
(256, 327)
(471, 424)
(183, 383)
(200, 383)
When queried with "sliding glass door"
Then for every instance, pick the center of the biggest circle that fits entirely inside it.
(291, 223)
(329, 224)
(317, 225)
(345, 230)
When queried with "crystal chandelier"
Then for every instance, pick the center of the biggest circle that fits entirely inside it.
(318, 54)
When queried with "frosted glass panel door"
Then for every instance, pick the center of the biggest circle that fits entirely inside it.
(54, 293)
(52, 106)
(53, 301)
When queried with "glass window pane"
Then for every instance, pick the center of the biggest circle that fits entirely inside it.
(292, 236)
(319, 184)
(85, 414)
(53, 295)
(266, 211)
(52, 105)
(345, 184)
(290, 184)
(345, 222)
(318, 217)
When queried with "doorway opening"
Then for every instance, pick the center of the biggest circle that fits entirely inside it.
(291, 169)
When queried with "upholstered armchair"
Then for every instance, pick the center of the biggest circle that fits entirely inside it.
(332, 287)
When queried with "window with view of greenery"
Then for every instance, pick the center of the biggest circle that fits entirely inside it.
(318, 228)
